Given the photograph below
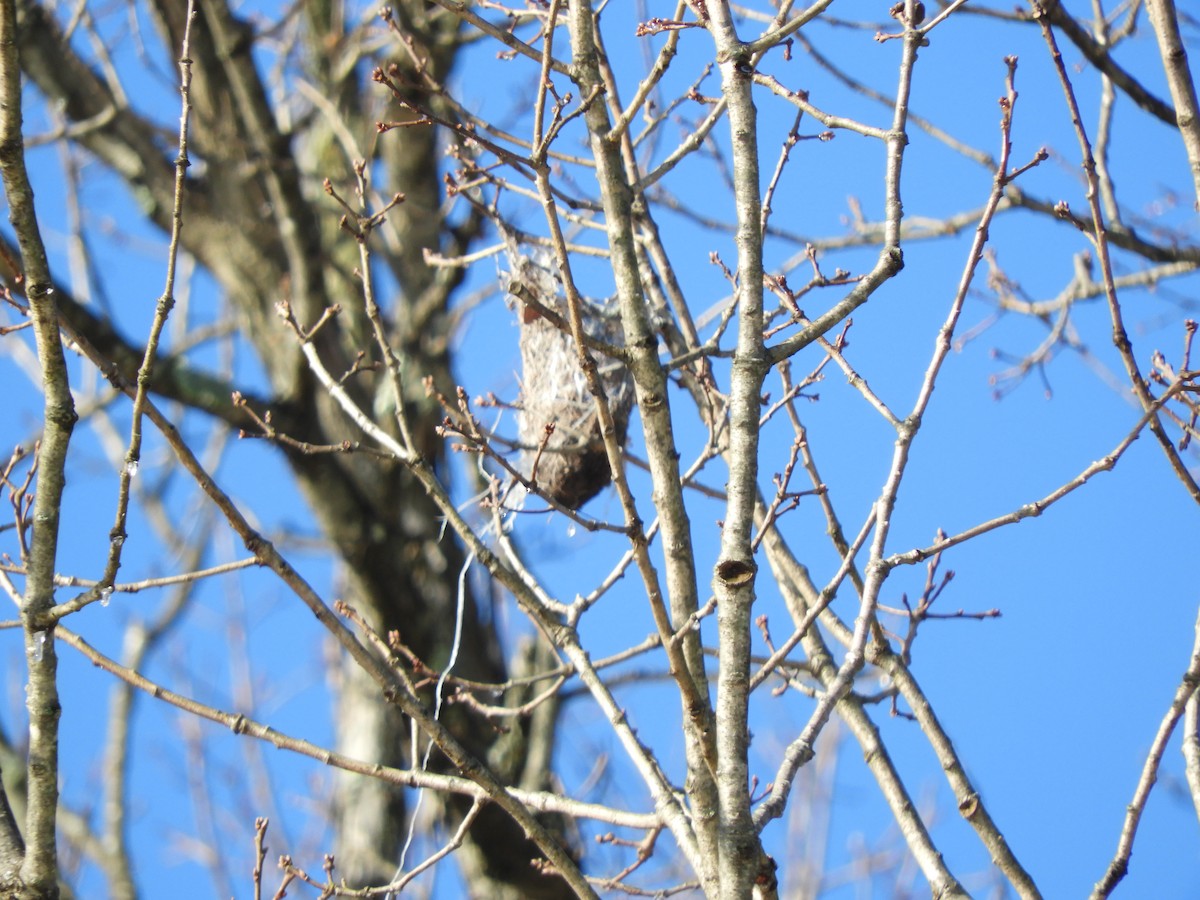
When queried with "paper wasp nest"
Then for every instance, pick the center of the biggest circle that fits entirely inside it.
(573, 467)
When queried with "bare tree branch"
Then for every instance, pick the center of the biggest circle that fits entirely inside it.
(38, 876)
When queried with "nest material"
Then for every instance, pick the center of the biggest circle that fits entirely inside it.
(573, 466)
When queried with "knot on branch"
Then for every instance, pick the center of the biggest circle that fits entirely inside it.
(735, 573)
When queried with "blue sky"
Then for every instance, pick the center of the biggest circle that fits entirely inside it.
(1053, 705)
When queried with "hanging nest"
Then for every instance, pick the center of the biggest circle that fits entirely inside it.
(573, 466)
